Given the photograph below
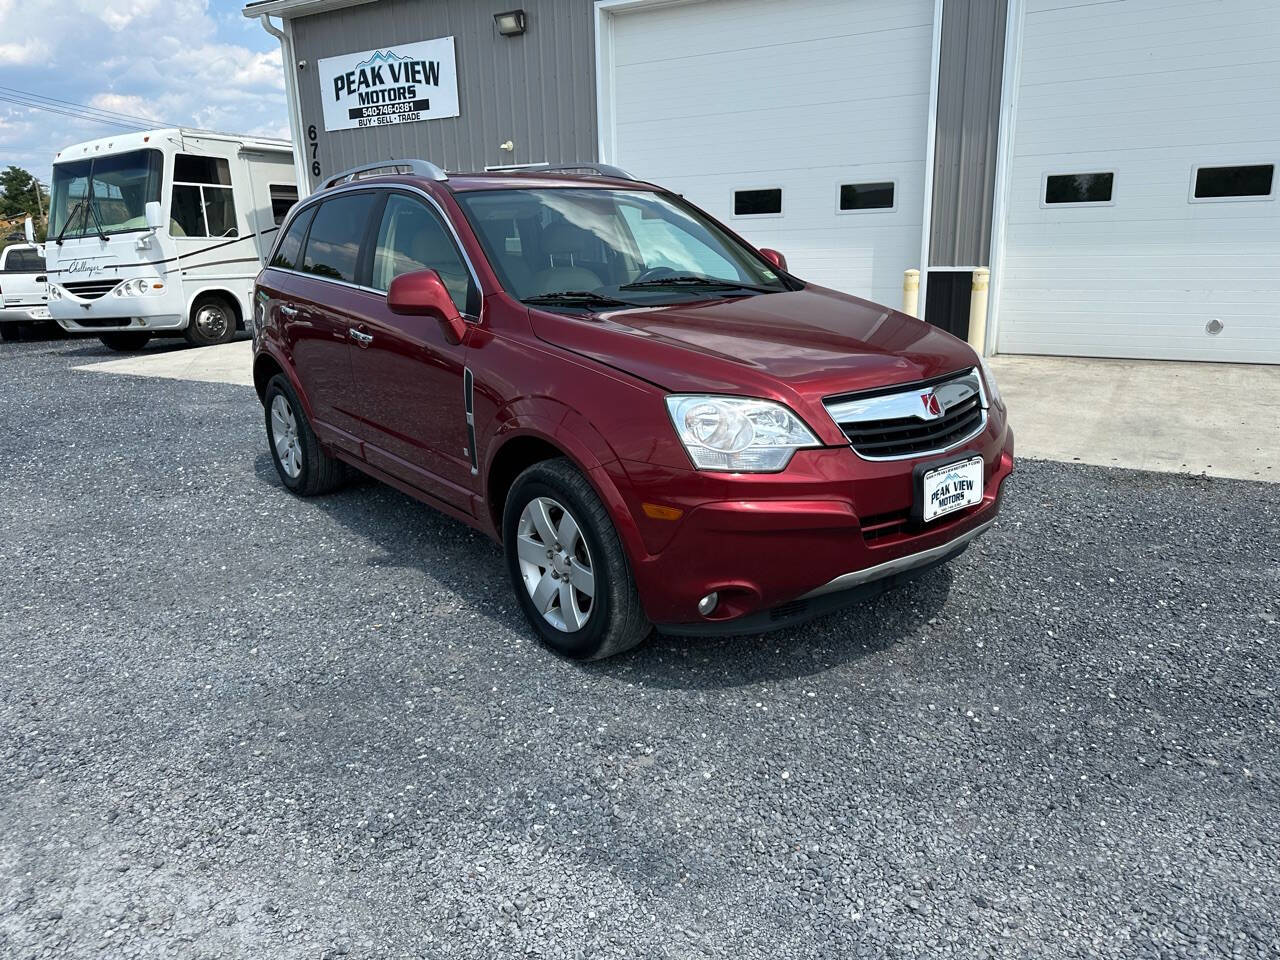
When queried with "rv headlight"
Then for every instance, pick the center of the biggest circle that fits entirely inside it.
(138, 287)
(55, 292)
(737, 434)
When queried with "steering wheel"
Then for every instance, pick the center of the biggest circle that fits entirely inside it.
(654, 273)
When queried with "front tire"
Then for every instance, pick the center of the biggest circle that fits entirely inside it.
(567, 565)
(10, 332)
(302, 465)
(213, 320)
(125, 342)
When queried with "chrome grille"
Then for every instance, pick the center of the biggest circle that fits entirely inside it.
(90, 289)
(914, 420)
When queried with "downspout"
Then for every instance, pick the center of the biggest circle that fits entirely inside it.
(293, 104)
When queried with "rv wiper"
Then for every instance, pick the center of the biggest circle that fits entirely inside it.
(66, 223)
(576, 298)
(93, 208)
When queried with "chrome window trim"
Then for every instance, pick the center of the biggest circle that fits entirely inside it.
(355, 187)
(903, 404)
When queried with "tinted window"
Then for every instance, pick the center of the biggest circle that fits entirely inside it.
(24, 261)
(755, 203)
(286, 255)
(1079, 188)
(192, 169)
(411, 237)
(282, 199)
(333, 247)
(1250, 181)
(186, 213)
(866, 196)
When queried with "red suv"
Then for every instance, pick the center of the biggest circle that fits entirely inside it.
(660, 423)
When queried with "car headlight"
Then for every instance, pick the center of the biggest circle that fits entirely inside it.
(737, 434)
(989, 379)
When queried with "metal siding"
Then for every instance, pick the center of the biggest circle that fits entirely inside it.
(537, 90)
(970, 67)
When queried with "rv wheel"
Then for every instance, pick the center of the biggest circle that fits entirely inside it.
(213, 320)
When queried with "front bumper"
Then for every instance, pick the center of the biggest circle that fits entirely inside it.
(830, 529)
(110, 313)
(24, 314)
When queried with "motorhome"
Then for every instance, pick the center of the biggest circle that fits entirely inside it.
(161, 232)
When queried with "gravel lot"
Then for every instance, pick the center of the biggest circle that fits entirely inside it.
(236, 724)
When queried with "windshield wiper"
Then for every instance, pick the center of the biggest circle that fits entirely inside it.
(708, 283)
(576, 298)
(67, 223)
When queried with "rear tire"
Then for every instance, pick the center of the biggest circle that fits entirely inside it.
(301, 463)
(10, 332)
(213, 320)
(125, 342)
(581, 600)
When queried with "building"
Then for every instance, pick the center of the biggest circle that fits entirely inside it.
(1112, 161)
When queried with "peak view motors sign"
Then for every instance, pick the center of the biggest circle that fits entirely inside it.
(401, 84)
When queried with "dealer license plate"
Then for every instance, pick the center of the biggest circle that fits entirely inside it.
(951, 488)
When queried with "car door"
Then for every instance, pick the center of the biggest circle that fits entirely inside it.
(408, 376)
(318, 301)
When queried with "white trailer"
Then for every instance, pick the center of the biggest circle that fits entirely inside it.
(163, 232)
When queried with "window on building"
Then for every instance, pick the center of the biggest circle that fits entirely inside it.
(757, 203)
(283, 197)
(203, 204)
(333, 246)
(287, 254)
(1215, 183)
(1078, 187)
(411, 238)
(867, 196)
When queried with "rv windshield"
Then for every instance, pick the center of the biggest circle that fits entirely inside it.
(115, 189)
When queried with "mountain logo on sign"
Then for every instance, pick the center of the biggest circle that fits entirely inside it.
(381, 56)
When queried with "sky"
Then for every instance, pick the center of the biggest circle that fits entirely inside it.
(194, 63)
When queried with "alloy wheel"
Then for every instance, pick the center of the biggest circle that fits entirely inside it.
(555, 564)
(284, 434)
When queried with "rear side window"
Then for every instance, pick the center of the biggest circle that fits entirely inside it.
(333, 247)
(23, 261)
(286, 255)
(283, 196)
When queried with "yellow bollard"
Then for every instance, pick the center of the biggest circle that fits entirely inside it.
(911, 293)
(978, 310)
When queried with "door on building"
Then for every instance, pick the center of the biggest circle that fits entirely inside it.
(1143, 218)
(801, 126)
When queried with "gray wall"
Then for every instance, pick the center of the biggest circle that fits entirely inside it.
(537, 89)
(970, 69)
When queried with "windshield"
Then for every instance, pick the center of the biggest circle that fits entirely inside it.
(620, 246)
(105, 194)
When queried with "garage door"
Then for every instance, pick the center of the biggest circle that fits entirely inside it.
(761, 111)
(1143, 219)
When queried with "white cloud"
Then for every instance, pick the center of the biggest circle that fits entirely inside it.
(172, 60)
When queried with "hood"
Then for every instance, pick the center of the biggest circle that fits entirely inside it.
(798, 346)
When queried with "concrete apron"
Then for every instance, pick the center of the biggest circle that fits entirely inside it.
(1216, 419)
(1222, 420)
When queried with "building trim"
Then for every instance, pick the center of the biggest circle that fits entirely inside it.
(293, 106)
(931, 134)
(286, 9)
(1010, 79)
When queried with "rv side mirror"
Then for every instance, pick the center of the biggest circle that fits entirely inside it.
(155, 216)
(29, 230)
(423, 294)
(774, 257)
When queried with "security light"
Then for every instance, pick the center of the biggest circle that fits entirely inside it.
(512, 23)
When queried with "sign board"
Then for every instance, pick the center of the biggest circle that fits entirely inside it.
(405, 83)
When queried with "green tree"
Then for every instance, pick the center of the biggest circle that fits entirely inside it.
(19, 197)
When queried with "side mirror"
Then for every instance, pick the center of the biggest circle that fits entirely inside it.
(155, 215)
(423, 294)
(774, 257)
(29, 230)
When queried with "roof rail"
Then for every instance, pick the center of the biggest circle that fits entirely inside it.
(417, 168)
(597, 169)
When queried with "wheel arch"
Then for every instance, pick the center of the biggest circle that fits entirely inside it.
(222, 293)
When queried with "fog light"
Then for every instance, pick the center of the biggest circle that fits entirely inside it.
(708, 603)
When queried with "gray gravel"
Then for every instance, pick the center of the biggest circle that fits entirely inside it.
(236, 724)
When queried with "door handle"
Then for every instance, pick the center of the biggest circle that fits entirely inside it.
(289, 310)
(364, 339)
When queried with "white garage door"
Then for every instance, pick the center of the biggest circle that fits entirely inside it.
(753, 97)
(1170, 100)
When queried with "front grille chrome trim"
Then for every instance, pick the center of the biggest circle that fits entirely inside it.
(882, 419)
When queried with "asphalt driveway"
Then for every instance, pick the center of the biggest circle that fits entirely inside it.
(237, 724)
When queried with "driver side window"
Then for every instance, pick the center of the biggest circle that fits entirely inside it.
(411, 237)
